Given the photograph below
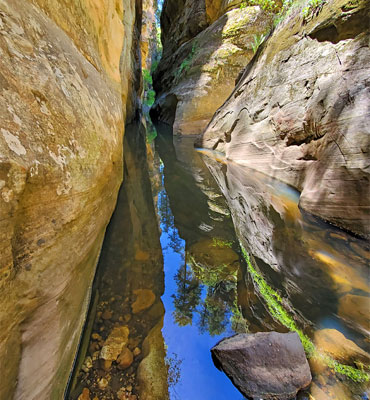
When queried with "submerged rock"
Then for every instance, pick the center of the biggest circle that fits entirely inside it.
(152, 374)
(125, 359)
(115, 343)
(85, 395)
(145, 299)
(339, 347)
(213, 261)
(266, 365)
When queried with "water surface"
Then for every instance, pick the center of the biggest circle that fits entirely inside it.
(207, 237)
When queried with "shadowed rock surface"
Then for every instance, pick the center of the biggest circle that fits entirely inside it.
(267, 365)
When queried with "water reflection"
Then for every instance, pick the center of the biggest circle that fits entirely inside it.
(123, 339)
(297, 273)
(314, 270)
(306, 272)
(201, 270)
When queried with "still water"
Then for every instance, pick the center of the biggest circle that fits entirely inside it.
(206, 237)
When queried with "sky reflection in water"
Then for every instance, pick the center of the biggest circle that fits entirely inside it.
(189, 346)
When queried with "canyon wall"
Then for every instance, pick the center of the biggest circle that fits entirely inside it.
(68, 72)
(300, 112)
(148, 42)
(205, 45)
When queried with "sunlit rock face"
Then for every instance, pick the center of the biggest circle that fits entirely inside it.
(148, 34)
(300, 112)
(63, 95)
(205, 46)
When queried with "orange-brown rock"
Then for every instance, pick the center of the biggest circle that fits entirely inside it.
(116, 341)
(339, 347)
(85, 395)
(125, 359)
(355, 309)
(145, 298)
(148, 33)
(213, 262)
(63, 96)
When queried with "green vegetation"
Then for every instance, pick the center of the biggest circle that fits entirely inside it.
(282, 10)
(257, 41)
(187, 63)
(277, 310)
(212, 276)
(268, 5)
(217, 242)
(151, 132)
(187, 297)
(149, 94)
(312, 6)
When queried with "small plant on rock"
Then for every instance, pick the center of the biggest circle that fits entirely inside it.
(187, 63)
(257, 41)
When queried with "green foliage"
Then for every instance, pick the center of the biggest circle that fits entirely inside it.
(267, 5)
(213, 316)
(257, 41)
(151, 132)
(277, 310)
(312, 6)
(187, 63)
(187, 297)
(149, 94)
(173, 365)
(147, 77)
(150, 97)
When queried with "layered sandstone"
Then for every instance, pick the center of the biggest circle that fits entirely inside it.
(205, 45)
(64, 88)
(299, 112)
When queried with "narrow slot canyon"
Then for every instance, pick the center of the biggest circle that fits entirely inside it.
(184, 200)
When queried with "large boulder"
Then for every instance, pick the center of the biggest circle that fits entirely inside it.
(266, 365)
(299, 112)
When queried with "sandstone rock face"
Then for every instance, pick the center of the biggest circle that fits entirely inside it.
(152, 371)
(148, 33)
(63, 94)
(299, 113)
(204, 49)
(266, 365)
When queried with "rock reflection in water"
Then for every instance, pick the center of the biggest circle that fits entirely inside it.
(124, 355)
(201, 270)
(322, 281)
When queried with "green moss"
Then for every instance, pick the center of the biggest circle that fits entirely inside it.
(217, 242)
(275, 305)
